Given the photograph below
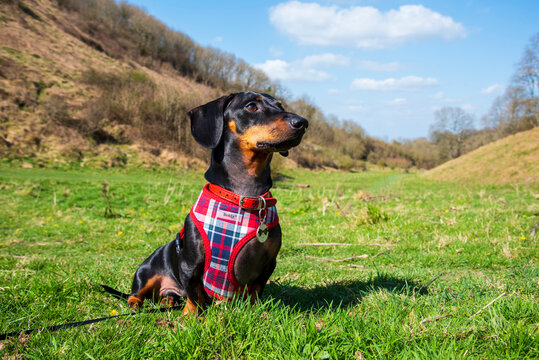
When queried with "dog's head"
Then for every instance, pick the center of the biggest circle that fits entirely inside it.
(254, 122)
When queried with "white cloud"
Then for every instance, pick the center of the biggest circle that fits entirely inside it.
(282, 70)
(398, 101)
(304, 69)
(381, 67)
(362, 26)
(392, 84)
(493, 89)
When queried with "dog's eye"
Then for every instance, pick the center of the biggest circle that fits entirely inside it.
(251, 107)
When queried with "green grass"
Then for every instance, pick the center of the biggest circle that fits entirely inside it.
(57, 245)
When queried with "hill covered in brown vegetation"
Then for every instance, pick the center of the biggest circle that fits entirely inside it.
(100, 83)
(511, 160)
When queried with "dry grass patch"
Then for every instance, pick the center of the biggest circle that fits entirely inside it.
(512, 160)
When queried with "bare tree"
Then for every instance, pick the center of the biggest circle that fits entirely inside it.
(452, 127)
(518, 108)
(527, 74)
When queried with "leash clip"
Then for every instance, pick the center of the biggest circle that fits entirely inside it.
(263, 210)
(262, 232)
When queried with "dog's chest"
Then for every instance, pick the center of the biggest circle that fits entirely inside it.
(254, 258)
(229, 234)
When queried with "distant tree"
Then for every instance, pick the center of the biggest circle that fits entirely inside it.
(424, 153)
(527, 73)
(353, 128)
(452, 127)
(512, 112)
(518, 108)
(479, 138)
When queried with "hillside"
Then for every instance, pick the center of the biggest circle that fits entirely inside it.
(512, 160)
(101, 83)
(104, 84)
(63, 97)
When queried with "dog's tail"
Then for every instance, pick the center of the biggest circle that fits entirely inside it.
(115, 293)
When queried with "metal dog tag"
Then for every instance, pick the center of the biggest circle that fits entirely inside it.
(262, 233)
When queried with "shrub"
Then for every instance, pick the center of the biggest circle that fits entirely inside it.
(154, 114)
(370, 215)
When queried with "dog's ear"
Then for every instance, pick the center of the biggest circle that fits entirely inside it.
(207, 122)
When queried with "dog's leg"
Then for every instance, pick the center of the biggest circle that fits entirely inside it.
(150, 288)
(191, 307)
(191, 267)
(257, 288)
(155, 277)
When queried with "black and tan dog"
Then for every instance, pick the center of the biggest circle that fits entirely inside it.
(243, 130)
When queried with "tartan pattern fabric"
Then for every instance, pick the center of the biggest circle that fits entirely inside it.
(225, 228)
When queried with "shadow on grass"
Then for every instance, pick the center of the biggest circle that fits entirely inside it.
(341, 293)
(280, 180)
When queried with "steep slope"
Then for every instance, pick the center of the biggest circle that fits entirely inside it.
(511, 160)
(52, 91)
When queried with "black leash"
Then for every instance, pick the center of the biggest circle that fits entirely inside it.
(115, 293)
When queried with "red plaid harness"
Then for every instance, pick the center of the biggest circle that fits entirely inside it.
(225, 228)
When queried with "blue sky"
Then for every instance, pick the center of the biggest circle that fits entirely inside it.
(387, 65)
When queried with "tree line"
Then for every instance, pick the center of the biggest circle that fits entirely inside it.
(517, 109)
(126, 31)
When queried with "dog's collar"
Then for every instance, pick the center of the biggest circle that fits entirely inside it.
(245, 202)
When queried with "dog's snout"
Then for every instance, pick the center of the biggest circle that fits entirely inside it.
(298, 123)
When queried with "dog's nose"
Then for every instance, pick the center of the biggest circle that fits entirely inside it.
(298, 123)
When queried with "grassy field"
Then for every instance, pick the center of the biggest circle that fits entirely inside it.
(427, 260)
